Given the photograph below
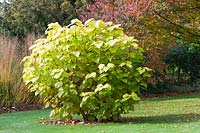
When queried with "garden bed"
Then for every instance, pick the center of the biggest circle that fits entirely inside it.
(20, 107)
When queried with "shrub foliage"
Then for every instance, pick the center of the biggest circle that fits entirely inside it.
(183, 62)
(91, 69)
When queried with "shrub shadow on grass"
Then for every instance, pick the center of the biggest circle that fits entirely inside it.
(167, 119)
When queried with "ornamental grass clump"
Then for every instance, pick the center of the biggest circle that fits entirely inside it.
(91, 69)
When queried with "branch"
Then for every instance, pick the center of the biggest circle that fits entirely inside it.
(177, 25)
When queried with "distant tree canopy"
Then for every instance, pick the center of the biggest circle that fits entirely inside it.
(158, 21)
(170, 20)
(153, 22)
(20, 17)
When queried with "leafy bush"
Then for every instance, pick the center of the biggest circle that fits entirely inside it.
(183, 62)
(158, 88)
(91, 69)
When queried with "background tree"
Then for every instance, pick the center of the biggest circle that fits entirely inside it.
(164, 23)
(124, 12)
(24, 16)
(169, 20)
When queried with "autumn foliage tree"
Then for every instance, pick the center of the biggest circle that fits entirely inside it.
(166, 22)
(124, 12)
(169, 20)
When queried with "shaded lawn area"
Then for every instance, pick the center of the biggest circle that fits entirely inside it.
(170, 114)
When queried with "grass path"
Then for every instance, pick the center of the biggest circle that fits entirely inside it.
(161, 115)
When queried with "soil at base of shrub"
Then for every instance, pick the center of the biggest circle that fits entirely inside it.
(81, 122)
(68, 122)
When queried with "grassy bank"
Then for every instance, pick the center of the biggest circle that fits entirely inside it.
(172, 114)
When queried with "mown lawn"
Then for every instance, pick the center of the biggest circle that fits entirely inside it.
(161, 115)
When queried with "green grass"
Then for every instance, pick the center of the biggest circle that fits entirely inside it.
(161, 115)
